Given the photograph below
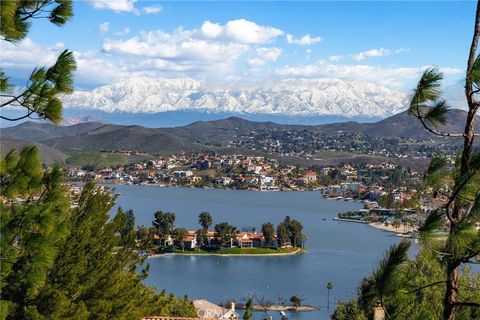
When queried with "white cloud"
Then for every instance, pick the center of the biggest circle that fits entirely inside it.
(306, 40)
(179, 45)
(241, 31)
(104, 27)
(335, 58)
(187, 53)
(269, 54)
(394, 77)
(94, 69)
(211, 30)
(123, 32)
(115, 5)
(264, 55)
(152, 9)
(372, 53)
(26, 55)
(378, 52)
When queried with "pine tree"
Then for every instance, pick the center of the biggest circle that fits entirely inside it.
(59, 263)
(248, 310)
(40, 97)
(460, 186)
(34, 219)
(96, 270)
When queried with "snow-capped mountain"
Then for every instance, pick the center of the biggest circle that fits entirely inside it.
(306, 97)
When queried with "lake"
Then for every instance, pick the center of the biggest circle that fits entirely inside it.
(340, 252)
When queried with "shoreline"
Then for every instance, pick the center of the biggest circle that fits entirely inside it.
(159, 255)
(114, 183)
(282, 308)
(379, 226)
(382, 226)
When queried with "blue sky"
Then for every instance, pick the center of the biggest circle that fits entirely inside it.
(247, 43)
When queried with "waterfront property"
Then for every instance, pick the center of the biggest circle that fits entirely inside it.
(332, 246)
(205, 310)
(241, 240)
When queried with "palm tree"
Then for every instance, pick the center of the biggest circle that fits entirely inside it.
(179, 235)
(205, 220)
(329, 287)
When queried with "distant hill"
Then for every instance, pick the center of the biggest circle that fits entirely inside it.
(34, 131)
(400, 125)
(201, 135)
(48, 155)
(112, 137)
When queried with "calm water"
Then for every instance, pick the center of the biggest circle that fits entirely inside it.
(340, 252)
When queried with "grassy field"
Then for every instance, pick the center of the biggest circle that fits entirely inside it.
(335, 154)
(102, 160)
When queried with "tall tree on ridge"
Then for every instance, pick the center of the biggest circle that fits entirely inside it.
(462, 186)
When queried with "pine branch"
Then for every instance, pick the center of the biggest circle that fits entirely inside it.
(467, 304)
(427, 286)
(32, 13)
(433, 131)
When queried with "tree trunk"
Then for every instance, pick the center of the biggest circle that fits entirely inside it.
(450, 300)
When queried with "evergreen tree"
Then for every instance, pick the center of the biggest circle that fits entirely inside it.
(224, 233)
(95, 273)
(34, 217)
(460, 186)
(268, 231)
(59, 263)
(282, 234)
(348, 311)
(164, 222)
(248, 310)
(40, 97)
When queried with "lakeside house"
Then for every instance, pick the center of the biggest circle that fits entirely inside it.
(205, 310)
(190, 242)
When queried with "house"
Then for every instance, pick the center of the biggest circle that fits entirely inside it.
(207, 310)
(266, 182)
(225, 181)
(189, 242)
(249, 240)
(245, 243)
(163, 241)
(231, 314)
(310, 177)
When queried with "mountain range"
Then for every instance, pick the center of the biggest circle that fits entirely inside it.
(299, 98)
(60, 141)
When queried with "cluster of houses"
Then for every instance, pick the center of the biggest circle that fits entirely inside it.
(350, 190)
(191, 240)
(206, 170)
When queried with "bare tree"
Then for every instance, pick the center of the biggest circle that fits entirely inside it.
(263, 302)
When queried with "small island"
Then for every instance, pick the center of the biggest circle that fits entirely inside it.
(163, 238)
